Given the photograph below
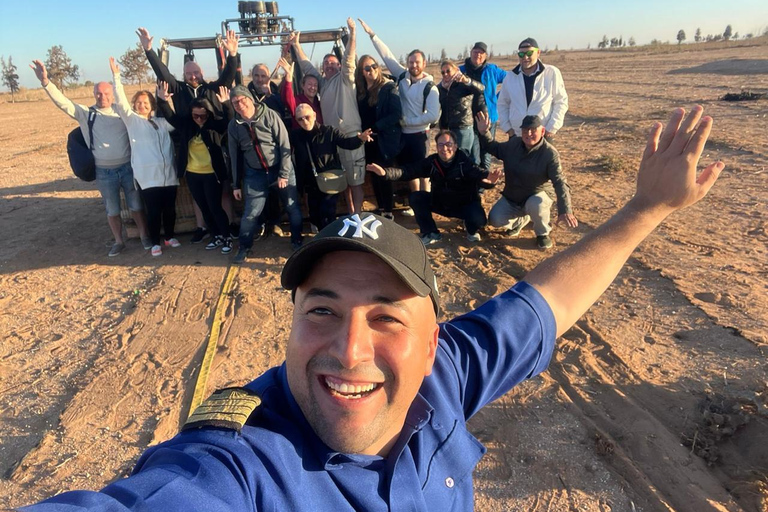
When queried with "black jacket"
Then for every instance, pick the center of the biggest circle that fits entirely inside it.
(460, 102)
(273, 101)
(184, 94)
(389, 111)
(317, 149)
(454, 183)
(213, 134)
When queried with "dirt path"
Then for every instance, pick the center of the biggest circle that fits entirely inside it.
(656, 400)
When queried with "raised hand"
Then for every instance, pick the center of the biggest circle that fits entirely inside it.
(351, 24)
(667, 179)
(144, 38)
(113, 66)
(494, 175)
(40, 72)
(287, 66)
(231, 42)
(223, 94)
(368, 30)
(162, 91)
(375, 169)
(483, 122)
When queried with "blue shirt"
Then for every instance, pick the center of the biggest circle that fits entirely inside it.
(277, 463)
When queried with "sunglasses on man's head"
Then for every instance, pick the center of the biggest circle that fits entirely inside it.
(527, 54)
(371, 67)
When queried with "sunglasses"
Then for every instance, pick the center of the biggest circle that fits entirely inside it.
(448, 145)
(199, 116)
(303, 118)
(370, 67)
(526, 54)
(446, 72)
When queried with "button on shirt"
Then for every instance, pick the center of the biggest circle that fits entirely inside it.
(277, 463)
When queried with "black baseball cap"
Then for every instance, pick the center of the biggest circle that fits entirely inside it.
(528, 41)
(367, 232)
(481, 46)
(531, 122)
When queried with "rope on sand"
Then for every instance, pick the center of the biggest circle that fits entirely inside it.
(213, 341)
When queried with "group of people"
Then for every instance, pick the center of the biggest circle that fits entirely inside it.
(271, 145)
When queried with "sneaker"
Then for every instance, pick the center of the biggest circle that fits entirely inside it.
(408, 212)
(242, 253)
(199, 235)
(172, 242)
(313, 229)
(116, 249)
(431, 238)
(515, 226)
(473, 237)
(262, 233)
(147, 243)
(215, 243)
(226, 248)
(234, 229)
(157, 250)
(388, 215)
(544, 242)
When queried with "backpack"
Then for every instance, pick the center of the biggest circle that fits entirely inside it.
(80, 155)
(427, 90)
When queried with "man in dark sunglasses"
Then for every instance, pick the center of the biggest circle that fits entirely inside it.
(545, 94)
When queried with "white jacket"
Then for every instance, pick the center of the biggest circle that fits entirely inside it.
(415, 118)
(151, 147)
(549, 101)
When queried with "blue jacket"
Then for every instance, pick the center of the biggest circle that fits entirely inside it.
(491, 76)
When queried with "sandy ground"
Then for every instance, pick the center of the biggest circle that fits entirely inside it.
(655, 401)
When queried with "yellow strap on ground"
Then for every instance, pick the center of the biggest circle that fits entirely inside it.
(213, 341)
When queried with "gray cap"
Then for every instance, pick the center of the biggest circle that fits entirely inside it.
(481, 46)
(531, 122)
(367, 232)
(241, 90)
(528, 41)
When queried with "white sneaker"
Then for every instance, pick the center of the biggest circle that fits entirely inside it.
(475, 237)
(408, 212)
(172, 242)
(313, 229)
(157, 250)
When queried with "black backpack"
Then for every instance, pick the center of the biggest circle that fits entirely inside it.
(80, 154)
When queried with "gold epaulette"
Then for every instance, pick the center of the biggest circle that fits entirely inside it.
(226, 408)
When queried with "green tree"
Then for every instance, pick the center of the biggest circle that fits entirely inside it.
(135, 68)
(60, 68)
(728, 33)
(443, 55)
(697, 35)
(631, 41)
(680, 36)
(9, 76)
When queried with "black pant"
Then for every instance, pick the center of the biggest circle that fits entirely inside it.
(415, 148)
(321, 206)
(206, 191)
(160, 203)
(382, 188)
(472, 213)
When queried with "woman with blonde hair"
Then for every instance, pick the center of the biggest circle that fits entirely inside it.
(380, 110)
(151, 159)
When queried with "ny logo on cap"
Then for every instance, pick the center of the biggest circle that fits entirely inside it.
(361, 226)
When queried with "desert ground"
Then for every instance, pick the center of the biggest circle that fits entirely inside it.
(656, 400)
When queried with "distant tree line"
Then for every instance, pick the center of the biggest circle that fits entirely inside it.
(727, 35)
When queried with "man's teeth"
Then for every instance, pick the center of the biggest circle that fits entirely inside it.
(348, 389)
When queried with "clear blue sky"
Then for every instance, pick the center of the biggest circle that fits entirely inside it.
(91, 31)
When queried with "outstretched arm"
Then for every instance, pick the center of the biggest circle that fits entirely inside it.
(349, 62)
(667, 181)
(72, 109)
(394, 67)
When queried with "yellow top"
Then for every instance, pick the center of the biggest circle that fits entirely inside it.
(199, 160)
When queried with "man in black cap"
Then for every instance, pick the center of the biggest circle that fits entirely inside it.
(369, 410)
(545, 94)
(477, 67)
(531, 163)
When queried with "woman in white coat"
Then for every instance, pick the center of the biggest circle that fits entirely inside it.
(151, 159)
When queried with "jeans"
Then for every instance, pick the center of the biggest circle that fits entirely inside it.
(161, 210)
(537, 207)
(483, 158)
(472, 213)
(206, 191)
(109, 182)
(465, 138)
(257, 186)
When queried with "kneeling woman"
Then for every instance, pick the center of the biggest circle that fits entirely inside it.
(455, 180)
(316, 156)
(151, 160)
